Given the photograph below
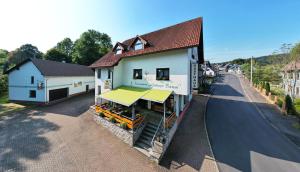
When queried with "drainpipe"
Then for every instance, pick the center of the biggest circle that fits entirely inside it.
(46, 89)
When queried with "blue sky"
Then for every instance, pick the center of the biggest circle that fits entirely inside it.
(232, 28)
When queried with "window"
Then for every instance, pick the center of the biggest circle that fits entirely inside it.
(162, 74)
(108, 74)
(118, 50)
(32, 79)
(99, 89)
(138, 45)
(137, 74)
(99, 73)
(32, 94)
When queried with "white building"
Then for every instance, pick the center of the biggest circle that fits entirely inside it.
(290, 80)
(163, 63)
(43, 81)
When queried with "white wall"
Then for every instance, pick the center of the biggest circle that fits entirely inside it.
(176, 61)
(52, 83)
(19, 83)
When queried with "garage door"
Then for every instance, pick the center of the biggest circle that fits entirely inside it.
(58, 94)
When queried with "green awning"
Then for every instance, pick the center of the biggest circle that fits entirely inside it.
(155, 95)
(125, 95)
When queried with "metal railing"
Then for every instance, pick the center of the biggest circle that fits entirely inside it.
(156, 132)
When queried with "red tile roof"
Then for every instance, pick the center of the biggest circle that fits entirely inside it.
(182, 35)
(291, 66)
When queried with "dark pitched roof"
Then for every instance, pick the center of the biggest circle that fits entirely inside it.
(182, 35)
(53, 68)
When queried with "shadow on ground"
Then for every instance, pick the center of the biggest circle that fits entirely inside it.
(21, 139)
(73, 106)
(241, 139)
(189, 145)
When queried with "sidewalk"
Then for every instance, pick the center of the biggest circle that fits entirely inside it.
(270, 112)
(190, 149)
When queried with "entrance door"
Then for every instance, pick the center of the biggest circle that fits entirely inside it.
(87, 88)
(58, 94)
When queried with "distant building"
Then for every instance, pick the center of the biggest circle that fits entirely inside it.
(43, 81)
(290, 81)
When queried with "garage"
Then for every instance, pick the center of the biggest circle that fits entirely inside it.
(58, 94)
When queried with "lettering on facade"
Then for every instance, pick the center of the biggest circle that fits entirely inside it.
(194, 75)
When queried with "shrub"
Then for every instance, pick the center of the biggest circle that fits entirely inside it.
(112, 119)
(279, 102)
(290, 109)
(123, 125)
(297, 108)
(101, 114)
(268, 89)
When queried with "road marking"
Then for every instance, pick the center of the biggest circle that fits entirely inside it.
(262, 114)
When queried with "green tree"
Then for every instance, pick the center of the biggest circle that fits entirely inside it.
(55, 55)
(268, 88)
(65, 46)
(24, 52)
(90, 47)
(290, 109)
(3, 54)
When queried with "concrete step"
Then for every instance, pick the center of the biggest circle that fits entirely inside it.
(143, 145)
(146, 132)
(146, 137)
(150, 130)
(146, 152)
(145, 141)
(152, 125)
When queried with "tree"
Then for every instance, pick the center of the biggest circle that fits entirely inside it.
(3, 54)
(55, 55)
(90, 47)
(24, 52)
(268, 89)
(65, 46)
(290, 109)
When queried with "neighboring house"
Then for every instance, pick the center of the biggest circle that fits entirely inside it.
(209, 72)
(289, 78)
(157, 71)
(235, 69)
(43, 81)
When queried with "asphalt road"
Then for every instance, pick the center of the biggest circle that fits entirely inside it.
(240, 138)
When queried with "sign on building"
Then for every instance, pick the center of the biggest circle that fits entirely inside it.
(107, 84)
(195, 75)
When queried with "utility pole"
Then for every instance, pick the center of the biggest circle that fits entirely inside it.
(251, 71)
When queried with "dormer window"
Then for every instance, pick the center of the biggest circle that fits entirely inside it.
(138, 45)
(119, 50)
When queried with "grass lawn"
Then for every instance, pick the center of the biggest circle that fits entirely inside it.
(4, 98)
(6, 107)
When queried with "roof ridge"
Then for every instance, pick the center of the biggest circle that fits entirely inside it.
(57, 62)
(168, 27)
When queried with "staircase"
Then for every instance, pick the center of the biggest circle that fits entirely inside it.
(143, 144)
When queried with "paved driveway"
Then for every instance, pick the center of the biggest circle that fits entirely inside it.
(63, 137)
(241, 139)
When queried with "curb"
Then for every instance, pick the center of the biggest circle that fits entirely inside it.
(264, 117)
(209, 145)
